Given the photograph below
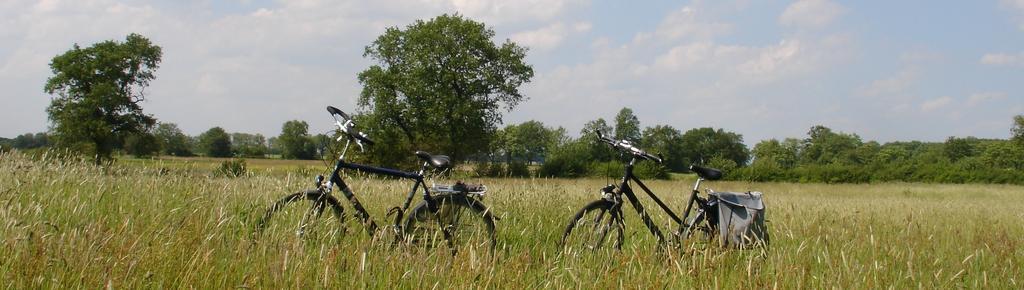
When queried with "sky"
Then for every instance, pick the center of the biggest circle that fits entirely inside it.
(885, 70)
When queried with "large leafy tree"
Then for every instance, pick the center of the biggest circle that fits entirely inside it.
(215, 142)
(441, 84)
(98, 91)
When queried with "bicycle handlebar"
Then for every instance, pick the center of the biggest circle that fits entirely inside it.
(627, 147)
(348, 126)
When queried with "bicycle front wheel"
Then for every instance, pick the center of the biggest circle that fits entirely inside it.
(456, 220)
(300, 215)
(595, 225)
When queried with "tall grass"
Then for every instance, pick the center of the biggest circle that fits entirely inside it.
(71, 224)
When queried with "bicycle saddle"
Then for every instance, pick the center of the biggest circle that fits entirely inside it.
(439, 161)
(706, 173)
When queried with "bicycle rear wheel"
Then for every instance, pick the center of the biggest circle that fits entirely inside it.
(300, 215)
(697, 233)
(456, 220)
(595, 225)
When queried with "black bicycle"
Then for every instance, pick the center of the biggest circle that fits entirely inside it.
(451, 214)
(601, 221)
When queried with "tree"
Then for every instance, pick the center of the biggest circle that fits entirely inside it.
(826, 147)
(249, 145)
(667, 141)
(99, 89)
(442, 83)
(294, 140)
(588, 136)
(215, 142)
(627, 126)
(704, 144)
(172, 141)
(529, 140)
(142, 144)
(1017, 131)
(772, 151)
(957, 148)
(29, 141)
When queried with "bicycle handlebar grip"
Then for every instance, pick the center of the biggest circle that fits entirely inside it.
(362, 137)
(336, 111)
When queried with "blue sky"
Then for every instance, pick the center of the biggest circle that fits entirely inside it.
(886, 70)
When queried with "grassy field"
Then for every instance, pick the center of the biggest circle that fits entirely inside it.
(172, 223)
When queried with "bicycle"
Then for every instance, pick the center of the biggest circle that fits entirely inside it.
(593, 224)
(453, 214)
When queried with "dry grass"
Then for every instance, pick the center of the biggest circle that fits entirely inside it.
(164, 224)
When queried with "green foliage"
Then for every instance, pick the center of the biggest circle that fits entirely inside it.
(142, 145)
(826, 147)
(295, 141)
(707, 143)
(529, 140)
(518, 169)
(172, 141)
(441, 84)
(232, 168)
(1017, 131)
(249, 145)
(568, 160)
(667, 141)
(99, 89)
(650, 170)
(598, 151)
(774, 154)
(215, 143)
(627, 126)
(488, 169)
(27, 141)
(957, 148)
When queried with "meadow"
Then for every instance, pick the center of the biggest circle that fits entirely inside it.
(174, 223)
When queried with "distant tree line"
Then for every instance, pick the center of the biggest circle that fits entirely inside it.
(837, 157)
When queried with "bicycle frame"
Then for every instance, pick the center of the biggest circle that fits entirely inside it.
(627, 190)
(371, 226)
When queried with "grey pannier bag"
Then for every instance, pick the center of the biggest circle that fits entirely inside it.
(741, 219)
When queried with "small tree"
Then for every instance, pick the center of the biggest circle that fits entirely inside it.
(627, 126)
(295, 141)
(172, 141)
(215, 143)
(99, 89)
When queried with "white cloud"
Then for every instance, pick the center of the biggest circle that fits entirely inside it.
(501, 11)
(549, 37)
(685, 23)
(935, 104)
(1003, 59)
(891, 86)
(1018, 6)
(810, 14)
(979, 98)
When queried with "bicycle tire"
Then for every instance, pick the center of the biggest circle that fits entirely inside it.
(697, 230)
(292, 201)
(606, 218)
(447, 223)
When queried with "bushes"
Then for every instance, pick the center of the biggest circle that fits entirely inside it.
(941, 172)
(232, 168)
